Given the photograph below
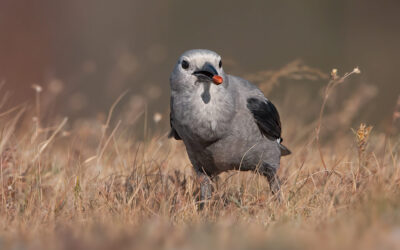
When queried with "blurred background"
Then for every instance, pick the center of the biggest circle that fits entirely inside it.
(86, 53)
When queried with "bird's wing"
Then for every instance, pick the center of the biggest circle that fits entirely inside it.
(266, 117)
(173, 132)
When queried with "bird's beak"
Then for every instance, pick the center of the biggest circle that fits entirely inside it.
(208, 73)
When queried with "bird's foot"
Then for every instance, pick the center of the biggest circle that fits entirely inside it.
(205, 189)
(275, 185)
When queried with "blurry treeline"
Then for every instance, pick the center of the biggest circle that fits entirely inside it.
(84, 54)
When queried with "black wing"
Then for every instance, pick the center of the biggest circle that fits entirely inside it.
(266, 116)
(173, 132)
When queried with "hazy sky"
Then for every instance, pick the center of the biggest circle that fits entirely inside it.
(94, 50)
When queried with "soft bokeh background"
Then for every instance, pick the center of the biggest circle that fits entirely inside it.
(107, 177)
(86, 53)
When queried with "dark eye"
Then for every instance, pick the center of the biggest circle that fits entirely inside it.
(220, 63)
(185, 64)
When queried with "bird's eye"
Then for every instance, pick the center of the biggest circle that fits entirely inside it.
(185, 64)
(220, 63)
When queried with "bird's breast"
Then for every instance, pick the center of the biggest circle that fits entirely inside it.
(203, 120)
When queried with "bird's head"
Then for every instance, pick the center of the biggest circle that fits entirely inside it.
(197, 66)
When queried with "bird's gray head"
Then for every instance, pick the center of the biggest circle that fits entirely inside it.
(197, 66)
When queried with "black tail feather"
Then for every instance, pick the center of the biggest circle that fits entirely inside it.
(284, 150)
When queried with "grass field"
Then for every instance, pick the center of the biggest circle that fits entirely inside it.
(91, 184)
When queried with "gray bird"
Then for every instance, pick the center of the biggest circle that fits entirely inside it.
(225, 122)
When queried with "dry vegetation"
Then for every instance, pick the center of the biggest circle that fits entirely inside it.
(91, 184)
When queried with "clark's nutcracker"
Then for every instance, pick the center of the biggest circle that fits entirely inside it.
(225, 122)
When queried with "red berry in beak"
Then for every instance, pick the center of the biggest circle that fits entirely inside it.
(217, 79)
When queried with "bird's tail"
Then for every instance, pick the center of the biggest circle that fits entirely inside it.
(284, 150)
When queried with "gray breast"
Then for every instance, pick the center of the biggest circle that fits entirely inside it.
(201, 120)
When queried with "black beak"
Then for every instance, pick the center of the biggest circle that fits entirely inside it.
(206, 73)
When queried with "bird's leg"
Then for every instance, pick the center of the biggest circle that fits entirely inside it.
(205, 188)
(274, 182)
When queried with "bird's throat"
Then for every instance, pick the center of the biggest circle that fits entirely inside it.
(206, 96)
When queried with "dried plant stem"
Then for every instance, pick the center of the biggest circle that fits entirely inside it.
(48, 141)
(331, 85)
(3, 199)
(10, 110)
(107, 124)
(389, 132)
(11, 129)
(108, 141)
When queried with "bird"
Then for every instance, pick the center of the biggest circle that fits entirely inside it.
(225, 122)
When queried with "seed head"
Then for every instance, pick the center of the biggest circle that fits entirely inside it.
(157, 117)
(334, 74)
(37, 88)
(356, 70)
(362, 135)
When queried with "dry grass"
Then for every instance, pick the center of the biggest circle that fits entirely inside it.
(90, 184)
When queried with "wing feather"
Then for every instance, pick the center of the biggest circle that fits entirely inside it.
(173, 132)
(266, 116)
